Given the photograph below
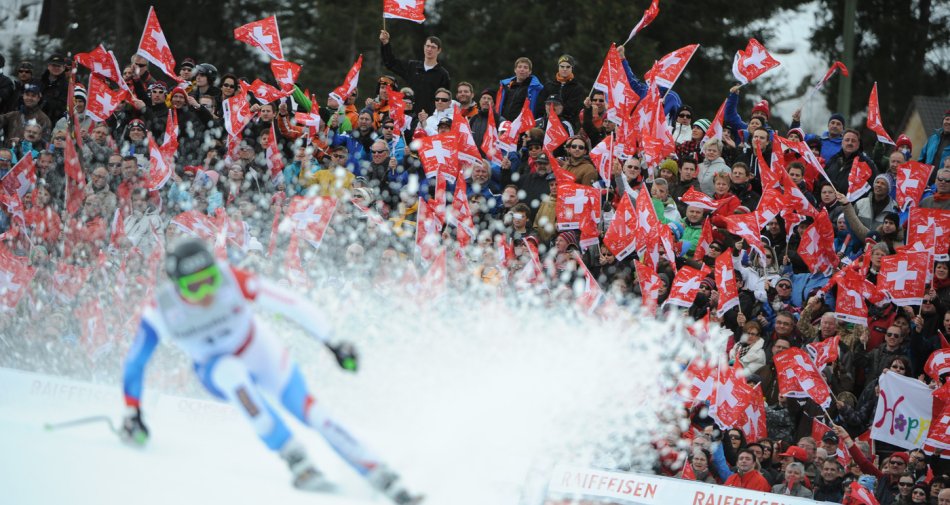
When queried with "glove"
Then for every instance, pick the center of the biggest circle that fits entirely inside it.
(345, 355)
(133, 430)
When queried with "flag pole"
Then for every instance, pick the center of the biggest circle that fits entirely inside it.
(384, 15)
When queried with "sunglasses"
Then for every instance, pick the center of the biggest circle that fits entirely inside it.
(685, 115)
(141, 65)
(715, 248)
(227, 85)
(784, 286)
(437, 99)
(889, 334)
(942, 179)
(905, 484)
(577, 146)
(375, 151)
(598, 100)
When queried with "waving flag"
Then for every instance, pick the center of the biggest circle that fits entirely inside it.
(154, 48)
(439, 154)
(555, 133)
(874, 118)
(309, 217)
(705, 240)
(726, 284)
(817, 246)
(468, 151)
(574, 202)
(929, 226)
(461, 215)
(648, 16)
(612, 81)
(275, 163)
(267, 93)
(262, 34)
(491, 142)
(285, 73)
(733, 397)
(349, 83)
(752, 62)
(912, 180)
(668, 69)
(715, 128)
(102, 63)
(650, 284)
(159, 171)
(15, 277)
(836, 67)
(700, 199)
(858, 180)
(824, 351)
(524, 122)
(236, 113)
(410, 10)
(799, 378)
(21, 177)
(904, 276)
(620, 236)
(685, 286)
(170, 141)
(103, 100)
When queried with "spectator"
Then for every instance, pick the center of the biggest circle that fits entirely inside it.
(567, 89)
(424, 77)
(516, 89)
(937, 148)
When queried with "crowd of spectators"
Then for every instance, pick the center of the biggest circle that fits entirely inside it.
(91, 265)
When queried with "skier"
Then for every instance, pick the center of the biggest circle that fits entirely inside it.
(206, 310)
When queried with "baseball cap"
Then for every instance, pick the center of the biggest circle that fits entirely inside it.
(795, 452)
(830, 437)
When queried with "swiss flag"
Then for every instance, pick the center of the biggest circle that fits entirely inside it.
(824, 351)
(15, 277)
(555, 133)
(938, 364)
(655, 138)
(262, 34)
(170, 141)
(285, 73)
(154, 48)
(439, 154)
(795, 199)
(612, 80)
(874, 118)
(461, 215)
(71, 164)
(197, 224)
(752, 62)
(799, 378)
(603, 157)
(650, 284)
(668, 69)
(310, 121)
(103, 100)
(350, 82)
(159, 171)
(589, 293)
(835, 67)
(685, 286)
(698, 382)
(410, 10)
(920, 221)
(816, 248)
(524, 122)
(648, 16)
(467, 150)
(733, 396)
(904, 276)
(102, 63)
(856, 494)
(621, 235)
(748, 227)
(236, 112)
(267, 93)
(397, 110)
(652, 237)
(911, 183)
(853, 293)
(812, 163)
(754, 417)
(428, 229)
(726, 284)
(939, 435)
(858, 180)
(13, 206)
(818, 430)
(21, 177)
(275, 163)
(309, 217)
(574, 201)
(715, 128)
(705, 240)
(491, 143)
(67, 280)
(700, 199)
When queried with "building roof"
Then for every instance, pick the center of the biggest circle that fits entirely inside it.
(931, 110)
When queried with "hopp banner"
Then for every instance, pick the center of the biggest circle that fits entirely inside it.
(903, 411)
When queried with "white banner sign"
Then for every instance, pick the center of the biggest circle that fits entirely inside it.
(641, 489)
(903, 410)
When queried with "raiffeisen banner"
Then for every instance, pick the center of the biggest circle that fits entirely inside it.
(641, 489)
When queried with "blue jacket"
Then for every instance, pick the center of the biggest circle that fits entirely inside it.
(929, 154)
(534, 89)
(732, 118)
(672, 102)
(829, 146)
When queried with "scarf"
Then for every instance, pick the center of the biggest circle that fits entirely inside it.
(941, 197)
(564, 80)
(939, 284)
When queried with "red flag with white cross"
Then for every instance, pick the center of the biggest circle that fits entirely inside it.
(858, 180)
(912, 180)
(350, 82)
(285, 73)
(904, 276)
(817, 245)
(733, 396)
(620, 238)
(668, 69)
(21, 177)
(262, 34)
(650, 284)
(103, 100)
(467, 150)
(428, 229)
(929, 227)
(752, 62)
(154, 47)
(874, 122)
(555, 133)
(309, 217)
(798, 377)
(818, 430)
(726, 284)
(574, 201)
(410, 10)
(440, 154)
(524, 122)
(15, 277)
(685, 286)
(648, 16)
(159, 170)
(824, 351)
(275, 161)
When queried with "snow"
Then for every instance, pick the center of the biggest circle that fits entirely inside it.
(466, 404)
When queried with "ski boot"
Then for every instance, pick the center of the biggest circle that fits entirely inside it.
(388, 482)
(306, 477)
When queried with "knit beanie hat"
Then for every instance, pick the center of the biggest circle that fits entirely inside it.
(79, 91)
(762, 108)
(885, 179)
(837, 115)
(702, 124)
(671, 165)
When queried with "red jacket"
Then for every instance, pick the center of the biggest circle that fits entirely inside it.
(751, 480)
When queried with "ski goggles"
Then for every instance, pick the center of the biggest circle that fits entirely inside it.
(199, 285)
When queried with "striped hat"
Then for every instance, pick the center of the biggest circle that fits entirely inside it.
(702, 124)
(79, 91)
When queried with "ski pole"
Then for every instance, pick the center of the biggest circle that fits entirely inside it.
(81, 422)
